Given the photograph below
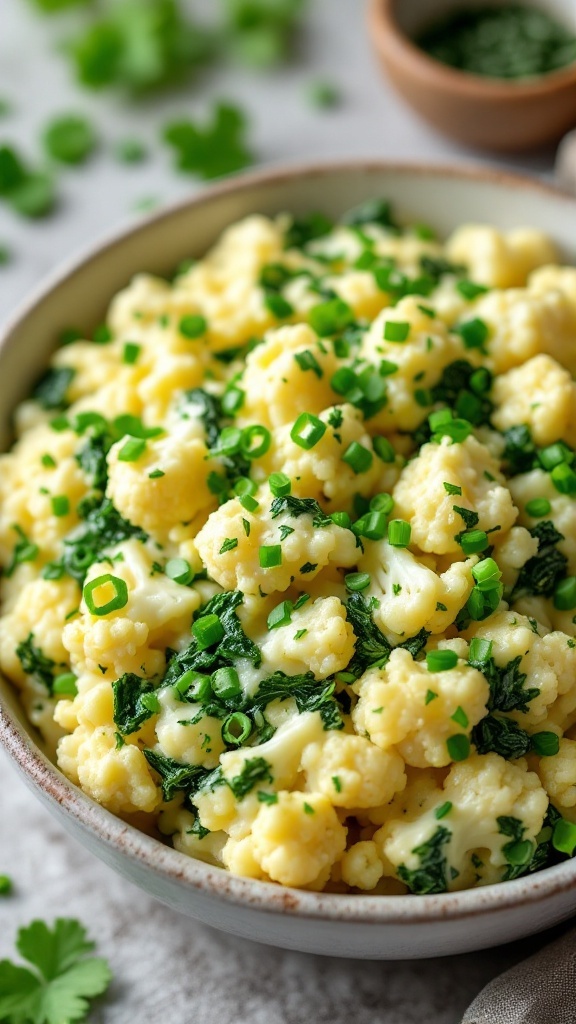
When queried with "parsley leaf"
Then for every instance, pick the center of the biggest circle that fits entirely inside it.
(129, 710)
(431, 875)
(212, 151)
(64, 978)
(296, 507)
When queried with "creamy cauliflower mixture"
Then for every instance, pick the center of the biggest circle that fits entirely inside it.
(289, 555)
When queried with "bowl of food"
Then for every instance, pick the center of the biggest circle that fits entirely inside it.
(497, 75)
(288, 537)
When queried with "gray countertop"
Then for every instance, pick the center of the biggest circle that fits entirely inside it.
(167, 967)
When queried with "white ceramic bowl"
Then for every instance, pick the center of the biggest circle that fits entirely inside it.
(376, 927)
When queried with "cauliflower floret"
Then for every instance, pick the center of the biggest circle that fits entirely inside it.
(406, 706)
(421, 497)
(133, 638)
(410, 594)
(184, 739)
(41, 610)
(176, 822)
(320, 472)
(523, 324)
(420, 359)
(361, 865)
(480, 790)
(541, 394)
(277, 387)
(317, 639)
(499, 259)
(351, 771)
(554, 278)
(512, 551)
(548, 662)
(298, 838)
(558, 775)
(118, 778)
(158, 503)
(303, 553)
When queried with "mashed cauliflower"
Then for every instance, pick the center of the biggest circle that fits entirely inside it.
(289, 555)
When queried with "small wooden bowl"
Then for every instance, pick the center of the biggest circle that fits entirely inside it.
(486, 112)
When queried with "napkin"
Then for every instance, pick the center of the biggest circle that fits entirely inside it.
(540, 990)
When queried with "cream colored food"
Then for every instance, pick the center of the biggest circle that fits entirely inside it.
(289, 555)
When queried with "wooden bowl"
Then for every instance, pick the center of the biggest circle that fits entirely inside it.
(491, 113)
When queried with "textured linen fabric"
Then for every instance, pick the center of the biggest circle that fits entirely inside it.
(540, 990)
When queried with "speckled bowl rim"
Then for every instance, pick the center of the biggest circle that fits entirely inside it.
(150, 853)
(386, 31)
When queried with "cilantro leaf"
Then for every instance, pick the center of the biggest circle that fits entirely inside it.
(64, 980)
(214, 150)
(372, 647)
(542, 572)
(129, 710)
(431, 875)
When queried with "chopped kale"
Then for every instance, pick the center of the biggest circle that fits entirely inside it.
(372, 647)
(436, 266)
(519, 455)
(198, 829)
(92, 459)
(102, 528)
(35, 663)
(176, 776)
(255, 770)
(208, 412)
(519, 851)
(502, 736)
(233, 644)
(415, 644)
(506, 684)
(541, 573)
(302, 230)
(24, 551)
(295, 507)
(372, 211)
(51, 390)
(129, 710)
(432, 874)
(308, 693)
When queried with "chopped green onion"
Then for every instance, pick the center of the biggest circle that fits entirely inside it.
(278, 305)
(470, 290)
(132, 449)
(343, 380)
(519, 853)
(48, 461)
(564, 478)
(387, 368)
(564, 837)
(64, 685)
(553, 455)
(474, 333)
(458, 747)
(119, 600)
(207, 630)
(396, 330)
(341, 519)
(538, 507)
(151, 702)
(270, 556)
(382, 503)
(441, 661)
(399, 533)
(357, 581)
(60, 505)
(244, 485)
(192, 326)
(131, 353)
(480, 650)
(281, 615)
(384, 449)
(232, 400)
(358, 457)
(480, 604)
(249, 502)
(255, 441)
(229, 441)
(307, 361)
(565, 594)
(473, 541)
(307, 430)
(372, 526)
(430, 696)
(225, 682)
(102, 335)
(156, 474)
(236, 729)
(481, 381)
(279, 484)
(179, 570)
(330, 317)
(443, 810)
(486, 573)
(460, 717)
(546, 744)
